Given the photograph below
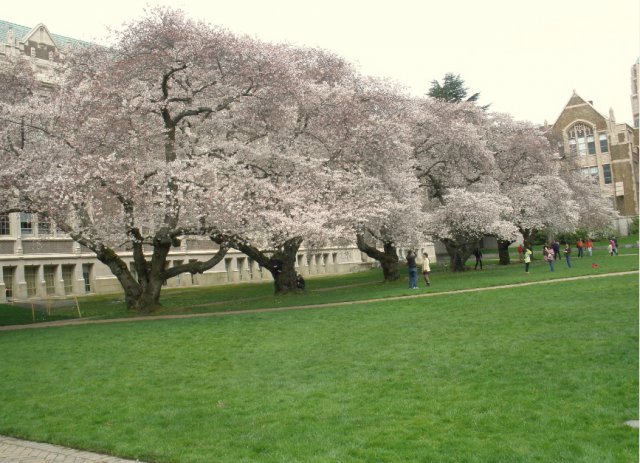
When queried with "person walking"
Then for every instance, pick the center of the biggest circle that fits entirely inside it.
(478, 254)
(580, 246)
(426, 268)
(567, 254)
(556, 250)
(549, 256)
(413, 270)
(589, 247)
(527, 258)
(614, 245)
(520, 253)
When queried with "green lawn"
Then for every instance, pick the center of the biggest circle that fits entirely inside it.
(329, 289)
(543, 373)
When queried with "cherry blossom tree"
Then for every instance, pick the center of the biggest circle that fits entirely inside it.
(463, 217)
(391, 213)
(309, 182)
(548, 195)
(526, 172)
(449, 145)
(595, 213)
(144, 143)
(451, 158)
(493, 153)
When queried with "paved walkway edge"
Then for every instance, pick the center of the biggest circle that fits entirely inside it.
(20, 451)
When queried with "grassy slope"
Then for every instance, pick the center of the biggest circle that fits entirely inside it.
(538, 373)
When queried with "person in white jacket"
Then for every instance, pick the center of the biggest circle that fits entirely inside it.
(426, 268)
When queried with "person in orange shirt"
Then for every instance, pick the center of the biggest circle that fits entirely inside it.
(580, 246)
(589, 247)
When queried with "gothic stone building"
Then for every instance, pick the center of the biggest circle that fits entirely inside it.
(606, 151)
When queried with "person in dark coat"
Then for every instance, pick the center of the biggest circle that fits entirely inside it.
(478, 254)
(413, 270)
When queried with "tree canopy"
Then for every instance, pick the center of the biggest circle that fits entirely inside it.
(453, 90)
(182, 130)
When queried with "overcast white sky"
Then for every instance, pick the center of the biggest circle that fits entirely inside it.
(525, 58)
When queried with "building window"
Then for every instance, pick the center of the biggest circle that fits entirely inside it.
(7, 273)
(50, 279)
(67, 277)
(606, 172)
(5, 226)
(26, 223)
(44, 225)
(591, 144)
(30, 276)
(604, 144)
(590, 173)
(177, 263)
(194, 277)
(87, 270)
(578, 138)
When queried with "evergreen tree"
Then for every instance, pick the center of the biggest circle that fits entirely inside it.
(452, 90)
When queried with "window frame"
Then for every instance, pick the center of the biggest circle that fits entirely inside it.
(578, 135)
(5, 224)
(26, 224)
(607, 173)
(604, 147)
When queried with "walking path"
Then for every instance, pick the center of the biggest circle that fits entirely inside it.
(87, 321)
(20, 451)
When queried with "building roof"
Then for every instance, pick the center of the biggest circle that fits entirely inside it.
(576, 100)
(22, 32)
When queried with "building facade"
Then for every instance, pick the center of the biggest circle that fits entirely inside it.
(604, 150)
(39, 262)
(635, 104)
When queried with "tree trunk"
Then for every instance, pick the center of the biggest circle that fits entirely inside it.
(148, 299)
(503, 252)
(388, 258)
(281, 263)
(458, 254)
(528, 236)
(142, 292)
(284, 279)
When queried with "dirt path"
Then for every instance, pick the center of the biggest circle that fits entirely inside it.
(299, 307)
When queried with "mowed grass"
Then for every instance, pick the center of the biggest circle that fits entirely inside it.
(330, 289)
(543, 373)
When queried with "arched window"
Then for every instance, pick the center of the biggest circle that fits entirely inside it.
(581, 140)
